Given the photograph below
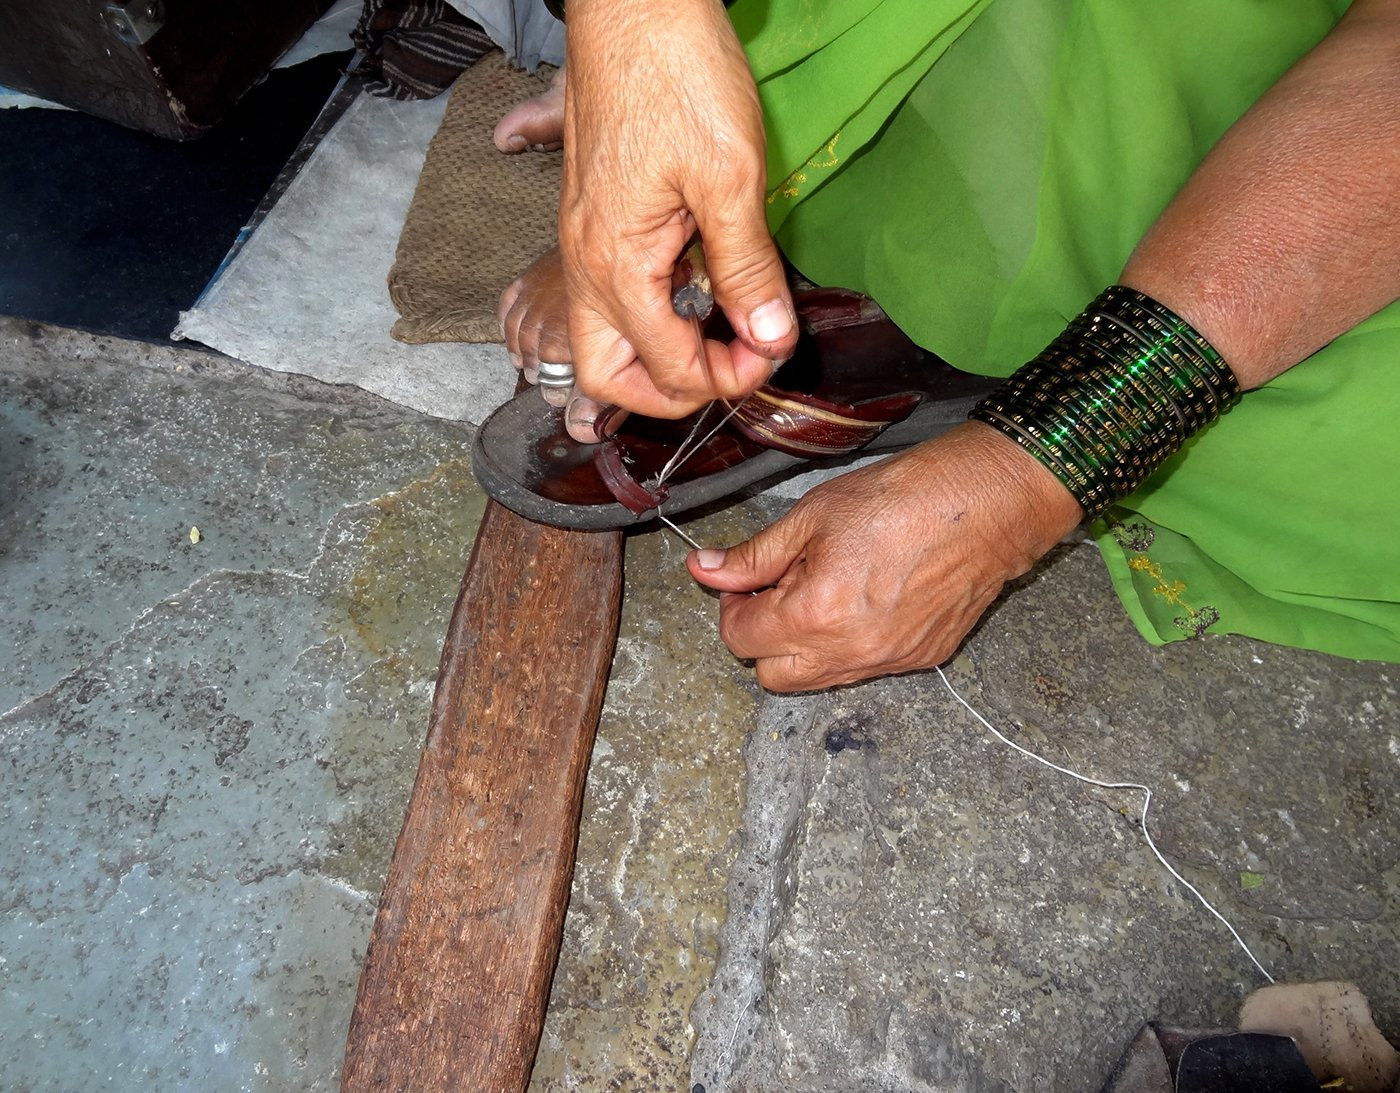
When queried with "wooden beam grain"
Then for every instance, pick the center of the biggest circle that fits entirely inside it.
(455, 983)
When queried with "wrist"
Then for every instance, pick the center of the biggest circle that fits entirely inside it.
(1224, 314)
(1036, 506)
(619, 36)
(1014, 507)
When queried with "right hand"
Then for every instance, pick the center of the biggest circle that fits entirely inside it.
(885, 569)
(663, 135)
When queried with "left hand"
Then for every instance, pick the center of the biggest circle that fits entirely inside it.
(887, 568)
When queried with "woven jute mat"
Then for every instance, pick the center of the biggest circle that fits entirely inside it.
(478, 217)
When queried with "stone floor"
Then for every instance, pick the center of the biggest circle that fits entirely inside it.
(915, 906)
(209, 746)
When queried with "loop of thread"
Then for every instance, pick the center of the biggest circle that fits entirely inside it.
(1146, 805)
(1146, 792)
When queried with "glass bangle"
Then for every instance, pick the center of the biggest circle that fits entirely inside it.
(1113, 397)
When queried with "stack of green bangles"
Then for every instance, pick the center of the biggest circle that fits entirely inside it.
(1110, 399)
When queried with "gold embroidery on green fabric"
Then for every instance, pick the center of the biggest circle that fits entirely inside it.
(1136, 539)
(824, 159)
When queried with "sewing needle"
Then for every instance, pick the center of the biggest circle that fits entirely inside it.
(699, 338)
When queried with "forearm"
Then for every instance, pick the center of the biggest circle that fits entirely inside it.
(1289, 232)
(594, 23)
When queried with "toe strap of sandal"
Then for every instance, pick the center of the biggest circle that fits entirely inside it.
(810, 427)
(800, 425)
(610, 460)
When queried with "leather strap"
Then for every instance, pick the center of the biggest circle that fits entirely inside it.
(788, 421)
(822, 309)
(807, 426)
(800, 425)
(611, 463)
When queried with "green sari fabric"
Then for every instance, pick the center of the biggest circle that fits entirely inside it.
(984, 168)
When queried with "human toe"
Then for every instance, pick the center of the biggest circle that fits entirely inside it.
(534, 123)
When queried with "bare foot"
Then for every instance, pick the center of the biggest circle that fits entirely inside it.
(535, 323)
(536, 124)
(534, 315)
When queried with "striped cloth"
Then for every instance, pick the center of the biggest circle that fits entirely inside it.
(414, 49)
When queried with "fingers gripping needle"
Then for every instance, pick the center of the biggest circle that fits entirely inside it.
(692, 297)
(689, 294)
(690, 446)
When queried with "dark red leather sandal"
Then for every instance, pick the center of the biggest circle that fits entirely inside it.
(856, 385)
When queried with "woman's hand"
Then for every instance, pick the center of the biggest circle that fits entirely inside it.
(664, 134)
(887, 568)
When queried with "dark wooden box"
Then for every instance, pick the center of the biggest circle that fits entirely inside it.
(170, 67)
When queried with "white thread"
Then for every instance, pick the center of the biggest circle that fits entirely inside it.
(718, 426)
(676, 461)
(1144, 790)
(666, 520)
(1028, 753)
(1146, 805)
(670, 464)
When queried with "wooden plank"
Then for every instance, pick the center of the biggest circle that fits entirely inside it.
(454, 988)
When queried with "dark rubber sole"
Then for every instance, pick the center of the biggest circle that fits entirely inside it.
(505, 462)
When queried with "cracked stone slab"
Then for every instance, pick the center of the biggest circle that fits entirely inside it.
(917, 907)
(203, 789)
(106, 463)
(208, 747)
(862, 892)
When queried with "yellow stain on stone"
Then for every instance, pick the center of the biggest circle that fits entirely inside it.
(405, 553)
(419, 545)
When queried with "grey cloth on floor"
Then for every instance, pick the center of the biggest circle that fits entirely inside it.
(525, 29)
(307, 293)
